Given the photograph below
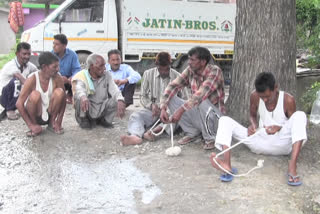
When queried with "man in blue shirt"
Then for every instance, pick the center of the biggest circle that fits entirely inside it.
(123, 75)
(69, 62)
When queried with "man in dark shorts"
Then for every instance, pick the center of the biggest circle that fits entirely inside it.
(12, 77)
(42, 99)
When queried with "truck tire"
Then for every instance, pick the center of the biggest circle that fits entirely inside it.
(180, 64)
(226, 67)
(82, 59)
(35, 60)
(184, 65)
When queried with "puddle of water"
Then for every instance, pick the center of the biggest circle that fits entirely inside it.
(107, 186)
(61, 185)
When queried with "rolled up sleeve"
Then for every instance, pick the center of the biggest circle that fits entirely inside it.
(113, 88)
(132, 75)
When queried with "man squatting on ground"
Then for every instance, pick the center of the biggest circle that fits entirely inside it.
(12, 76)
(207, 90)
(68, 60)
(96, 96)
(124, 76)
(155, 80)
(42, 99)
(285, 128)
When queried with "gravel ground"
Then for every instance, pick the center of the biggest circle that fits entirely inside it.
(88, 171)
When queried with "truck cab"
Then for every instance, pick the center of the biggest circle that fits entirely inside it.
(139, 29)
(91, 26)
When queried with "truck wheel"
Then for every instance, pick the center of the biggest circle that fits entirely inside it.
(183, 64)
(34, 59)
(82, 59)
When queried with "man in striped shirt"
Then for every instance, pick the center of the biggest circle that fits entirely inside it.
(207, 89)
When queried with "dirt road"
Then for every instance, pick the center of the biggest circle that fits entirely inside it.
(85, 171)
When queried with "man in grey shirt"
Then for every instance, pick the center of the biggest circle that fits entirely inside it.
(155, 80)
(96, 97)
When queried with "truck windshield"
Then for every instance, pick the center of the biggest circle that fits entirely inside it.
(84, 11)
(57, 11)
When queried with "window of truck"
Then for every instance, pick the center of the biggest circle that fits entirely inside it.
(84, 11)
(199, 1)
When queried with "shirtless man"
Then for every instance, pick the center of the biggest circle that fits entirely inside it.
(42, 99)
(284, 128)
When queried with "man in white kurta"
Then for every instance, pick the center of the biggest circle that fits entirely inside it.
(97, 98)
(283, 128)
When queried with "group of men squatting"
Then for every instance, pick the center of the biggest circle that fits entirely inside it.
(104, 90)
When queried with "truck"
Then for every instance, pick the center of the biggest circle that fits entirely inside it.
(140, 29)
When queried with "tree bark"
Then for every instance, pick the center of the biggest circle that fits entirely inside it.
(265, 40)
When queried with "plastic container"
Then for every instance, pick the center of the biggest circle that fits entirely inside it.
(315, 112)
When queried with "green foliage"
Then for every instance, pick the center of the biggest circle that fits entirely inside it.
(5, 3)
(308, 27)
(6, 58)
(309, 97)
(313, 62)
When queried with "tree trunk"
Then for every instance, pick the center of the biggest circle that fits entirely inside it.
(265, 40)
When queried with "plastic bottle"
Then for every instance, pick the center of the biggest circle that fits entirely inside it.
(315, 112)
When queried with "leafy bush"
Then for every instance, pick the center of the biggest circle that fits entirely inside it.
(6, 58)
(308, 28)
(313, 62)
(309, 97)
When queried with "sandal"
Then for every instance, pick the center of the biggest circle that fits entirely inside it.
(225, 177)
(31, 134)
(208, 145)
(12, 115)
(186, 139)
(59, 132)
(291, 180)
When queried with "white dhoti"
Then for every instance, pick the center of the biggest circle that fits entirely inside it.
(292, 131)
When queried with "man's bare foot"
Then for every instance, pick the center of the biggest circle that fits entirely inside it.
(32, 134)
(57, 129)
(157, 129)
(221, 162)
(149, 136)
(127, 140)
(69, 99)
